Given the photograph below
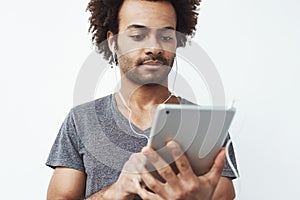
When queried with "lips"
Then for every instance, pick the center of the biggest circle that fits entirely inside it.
(153, 62)
(152, 65)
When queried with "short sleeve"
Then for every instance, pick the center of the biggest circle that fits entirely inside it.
(227, 171)
(66, 150)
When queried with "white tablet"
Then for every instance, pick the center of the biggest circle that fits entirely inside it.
(200, 131)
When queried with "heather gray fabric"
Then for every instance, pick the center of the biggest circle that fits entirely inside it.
(96, 138)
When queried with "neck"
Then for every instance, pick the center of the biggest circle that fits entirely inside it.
(138, 103)
(145, 96)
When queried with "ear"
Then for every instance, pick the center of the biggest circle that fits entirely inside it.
(110, 40)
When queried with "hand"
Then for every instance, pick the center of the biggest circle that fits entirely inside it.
(184, 185)
(129, 181)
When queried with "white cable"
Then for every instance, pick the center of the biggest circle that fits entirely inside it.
(227, 152)
(234, 170)
(130, 111)
(236, 129)
(172, 93)
(176, 72)
(236, 174)
(129, 118)
(142, 135)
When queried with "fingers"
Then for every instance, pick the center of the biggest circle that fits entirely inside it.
(215, 172)
(181, 160)
(163, 168)
(142, 191)
(131, 176)
(128, 182)
(147, 195)
(130, 165)
(186, 183)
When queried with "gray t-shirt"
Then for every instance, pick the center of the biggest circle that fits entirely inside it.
(96, 138)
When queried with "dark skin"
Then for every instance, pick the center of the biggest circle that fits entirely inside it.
(70, 184)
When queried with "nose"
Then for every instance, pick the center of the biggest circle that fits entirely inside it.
(153, 47)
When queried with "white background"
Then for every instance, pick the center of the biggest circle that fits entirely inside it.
(254, 44)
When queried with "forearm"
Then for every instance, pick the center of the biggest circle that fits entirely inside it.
(103, 194)
(108, 193)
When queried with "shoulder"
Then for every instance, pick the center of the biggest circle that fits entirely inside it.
(92, 106)
(89, 112)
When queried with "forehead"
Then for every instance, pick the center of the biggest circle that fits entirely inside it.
(152, 14)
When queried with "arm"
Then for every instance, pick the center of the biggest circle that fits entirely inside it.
(66, 184)
(224, 190)
(208, 186)
(69, 184)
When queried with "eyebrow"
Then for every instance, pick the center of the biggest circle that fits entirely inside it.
(137, 26)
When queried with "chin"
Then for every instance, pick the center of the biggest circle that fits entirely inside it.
(148, 83)
(149, 79)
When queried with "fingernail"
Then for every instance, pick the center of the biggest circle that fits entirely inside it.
(150, 155)
(223, 150)
(171, 144)
(174, 148)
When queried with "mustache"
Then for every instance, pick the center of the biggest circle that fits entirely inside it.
(159, 58)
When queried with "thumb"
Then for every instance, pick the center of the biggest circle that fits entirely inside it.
(215, 172)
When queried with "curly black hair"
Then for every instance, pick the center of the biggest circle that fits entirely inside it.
(104, 18)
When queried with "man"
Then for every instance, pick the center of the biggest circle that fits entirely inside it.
(86, 154)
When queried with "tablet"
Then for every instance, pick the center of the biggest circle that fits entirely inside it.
(199, 130)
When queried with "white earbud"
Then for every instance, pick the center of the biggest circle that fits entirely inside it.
(113, 47)
(113, 51)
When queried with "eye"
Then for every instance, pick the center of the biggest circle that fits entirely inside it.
(137, 37)
(166, 38)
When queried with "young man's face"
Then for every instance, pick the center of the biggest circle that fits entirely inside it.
(146, 40)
